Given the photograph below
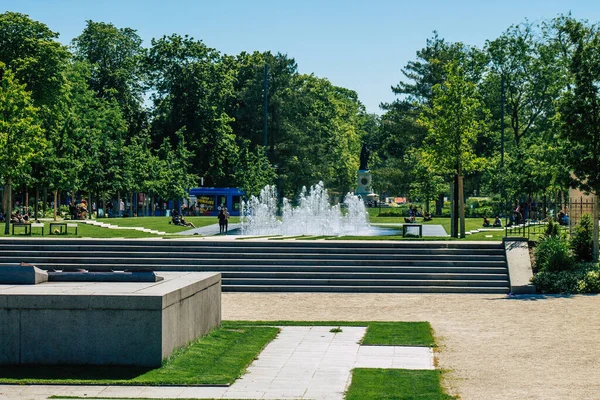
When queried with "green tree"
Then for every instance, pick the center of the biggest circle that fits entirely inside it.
(117, 71)
(580, 111)
(30, 49)
(192, 89)
(454, 121)
(21, 138)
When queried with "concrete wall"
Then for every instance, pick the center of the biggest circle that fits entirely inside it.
(141, 325)
(191, 317)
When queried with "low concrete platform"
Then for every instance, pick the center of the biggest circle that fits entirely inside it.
(106, 323)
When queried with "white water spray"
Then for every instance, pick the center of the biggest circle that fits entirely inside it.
(313, 216)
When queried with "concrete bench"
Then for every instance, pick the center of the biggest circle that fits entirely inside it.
(27, 227)
(61, 225)
(409, 230)
(37, 225)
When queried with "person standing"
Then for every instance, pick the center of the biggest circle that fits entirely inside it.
(226, 218)
(222, 220)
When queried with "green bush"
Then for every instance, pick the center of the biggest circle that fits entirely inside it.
(590, 283)
(552, 254)
(393, 213)
(584, 278)
(552, 229)
(556, 282)
(582, 240)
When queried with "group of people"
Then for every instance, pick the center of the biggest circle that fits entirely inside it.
(223, 220)
(497, 222)
(78, 211)
(414, 212)
(18, 218)
(177, 219)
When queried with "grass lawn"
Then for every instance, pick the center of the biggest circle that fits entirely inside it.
(397, 384)
(217, 358)
(154, 223)
(162, 223)
(378, 333)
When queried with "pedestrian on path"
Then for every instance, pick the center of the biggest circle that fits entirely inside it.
(222, 220)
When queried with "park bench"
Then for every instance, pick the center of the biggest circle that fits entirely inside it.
(412, 230)
(26, 227)
(61, 225)
(37, 225)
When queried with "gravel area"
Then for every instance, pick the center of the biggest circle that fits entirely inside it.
(493, 347)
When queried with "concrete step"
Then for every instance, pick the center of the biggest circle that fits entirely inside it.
(275, 268)
(333, 244)
(364, 266)
(134, 248)
(250, 262)
(358, 276)
(254, 255)
(367, 289)
(365, 282)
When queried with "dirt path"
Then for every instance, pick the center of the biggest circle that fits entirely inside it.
(493, 346)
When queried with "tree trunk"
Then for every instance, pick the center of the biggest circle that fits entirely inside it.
(439, 205)
(131, 198)
(36, 209)
(117, 209)
(45, 202)
(453, 208)
(55, 202)
(461, 205)
(8, 195)
(26, 199)
(596, 223)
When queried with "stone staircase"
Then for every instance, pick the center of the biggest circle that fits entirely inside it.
(286, 265)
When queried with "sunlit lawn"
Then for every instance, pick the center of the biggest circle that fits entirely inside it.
(155, 223)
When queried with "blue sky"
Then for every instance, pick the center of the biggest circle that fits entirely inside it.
(361, 45)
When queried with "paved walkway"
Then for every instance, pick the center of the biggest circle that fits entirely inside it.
(210, 230)
(301, 363)
(494, 347)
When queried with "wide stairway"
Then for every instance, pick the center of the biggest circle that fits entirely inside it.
(286, 265)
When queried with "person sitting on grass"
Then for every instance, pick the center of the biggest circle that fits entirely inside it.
(177, 219)
(427, 216)
(486, 222)
(497, 222)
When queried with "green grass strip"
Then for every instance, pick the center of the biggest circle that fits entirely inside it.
(396, 384)
(399, 334)
(217, 358)
(378, 333)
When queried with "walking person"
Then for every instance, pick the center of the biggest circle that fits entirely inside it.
(222, 220)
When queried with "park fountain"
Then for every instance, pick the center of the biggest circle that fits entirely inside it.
(314, 214)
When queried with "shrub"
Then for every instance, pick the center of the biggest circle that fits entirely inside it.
(584, 278)
(552, 254)
(392, 213)
(556, 282)
(552, 229)
(582, 240)
(590, 283)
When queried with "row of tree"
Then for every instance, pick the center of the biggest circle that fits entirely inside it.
(111, 117)
(517, 118)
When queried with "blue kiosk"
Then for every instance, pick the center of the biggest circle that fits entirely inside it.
(210, 199)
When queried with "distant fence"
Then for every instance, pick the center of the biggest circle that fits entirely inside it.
(531, 221)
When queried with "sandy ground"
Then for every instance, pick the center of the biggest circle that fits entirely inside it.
(493, 347)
